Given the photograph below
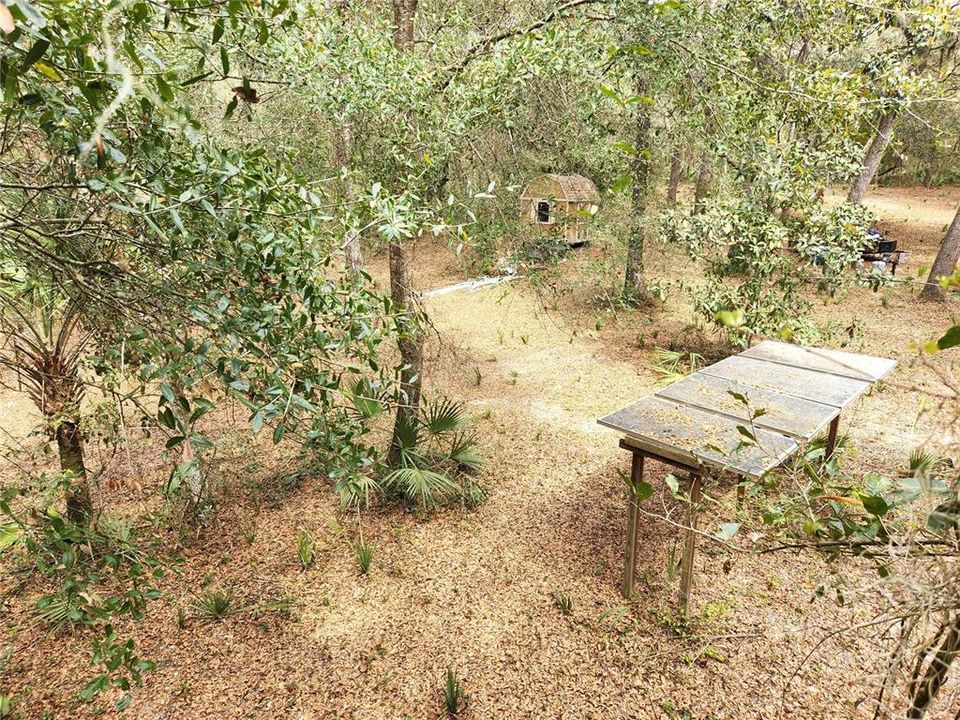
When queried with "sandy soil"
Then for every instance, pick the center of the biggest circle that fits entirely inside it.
(475, 591)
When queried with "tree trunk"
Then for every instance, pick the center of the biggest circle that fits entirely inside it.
(702, 189)
(410, 343)
(923, 691)
(871, 159)
(411, 336)
(945, 263)
(193, 477)
(703, 186)
(351, 244)
(343, 152)
(675, 169)
(404, 14)
(343, 145)
(70, 446)
(634, 287)
(354, 254)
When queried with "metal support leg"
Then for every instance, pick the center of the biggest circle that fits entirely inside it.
(686, 576)
(630, 561)
(832, 437)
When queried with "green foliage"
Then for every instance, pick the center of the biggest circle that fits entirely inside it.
(196, 276)
(156, 245)
(95, 576)
(421, 485)
(563, 603)
(672, 712)
(674, 365)
(45, 340)
(816, 450)
(850, 515)
(248, 530)
(215, 604)
(926, 464)
(454, 699)
(759, 265)
(437, 456)
(472, 493)
(443, 416)
(641, 490)
(116, 655)
(9, 533)
(361, 549)
(673, 563)
(950, 339)
(363, 552)
(540, 251)
(306, 548)
(356, 488)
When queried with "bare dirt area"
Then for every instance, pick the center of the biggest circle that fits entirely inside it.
(477, 591)
(916, 217)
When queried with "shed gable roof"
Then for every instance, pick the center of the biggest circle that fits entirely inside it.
(572, 188)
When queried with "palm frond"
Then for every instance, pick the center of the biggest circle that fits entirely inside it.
(407, 433)
(667, 377)
(444, 415)
(666, 358)
(674, 365)
(58, 610)
(355, 490)
(9, 534)
(367, 399)
(425, 487)
(924, 462)
(463, 451)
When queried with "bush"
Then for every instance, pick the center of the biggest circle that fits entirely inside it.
(94, 576)
(437, 458)
(758, 262)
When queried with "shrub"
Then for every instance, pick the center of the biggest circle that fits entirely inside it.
(93, 575)
(437, 457)
(759, 263)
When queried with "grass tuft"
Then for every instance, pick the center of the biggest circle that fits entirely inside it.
(563, 602)
(364, 554)
(306, 548)
(454, 699)
(214, 604)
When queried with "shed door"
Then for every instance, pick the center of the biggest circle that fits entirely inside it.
(543, 211)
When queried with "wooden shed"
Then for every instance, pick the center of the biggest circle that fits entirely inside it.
(560, 202)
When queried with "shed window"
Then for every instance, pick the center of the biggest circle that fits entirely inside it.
(543, 211)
